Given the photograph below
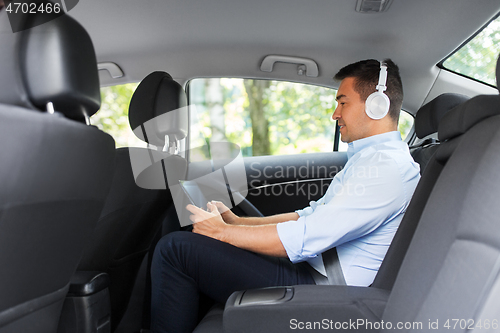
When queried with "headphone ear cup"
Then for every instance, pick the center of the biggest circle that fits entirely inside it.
(377, 105)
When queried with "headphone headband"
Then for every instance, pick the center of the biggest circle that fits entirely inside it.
(382, 78)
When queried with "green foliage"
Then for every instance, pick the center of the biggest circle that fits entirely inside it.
(299, 116)
(112, 118)
(405, 123)
(477, 59)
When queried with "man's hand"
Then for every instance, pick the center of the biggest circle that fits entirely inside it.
(208, 223)
(256, 238)
(228, 216)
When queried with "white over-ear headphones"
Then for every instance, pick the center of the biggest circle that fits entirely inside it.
(377, 104)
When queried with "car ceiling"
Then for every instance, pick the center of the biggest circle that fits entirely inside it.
(229, 38)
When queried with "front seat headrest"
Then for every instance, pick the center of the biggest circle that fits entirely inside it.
(59, 65)
(160, 104)
(53, 62)
(429, 115)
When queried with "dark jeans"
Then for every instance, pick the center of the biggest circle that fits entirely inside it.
(187, 264)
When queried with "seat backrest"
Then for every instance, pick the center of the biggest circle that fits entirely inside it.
(133, 215)
(451, 268)
(55, 170)
(426, 122)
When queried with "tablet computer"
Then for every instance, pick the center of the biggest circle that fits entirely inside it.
(194, 194)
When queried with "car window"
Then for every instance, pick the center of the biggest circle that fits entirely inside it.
(296, 116)
(263, 117)
(477, 58)
(112, 117)
(266, 117)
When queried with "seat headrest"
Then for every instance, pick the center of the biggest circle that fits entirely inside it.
(460, 119)
(52, 62)
(59, 66)
(13, 91)
(429, 115)
(158, 94)
(463, 117)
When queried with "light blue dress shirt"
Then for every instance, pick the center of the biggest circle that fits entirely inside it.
(360, 212)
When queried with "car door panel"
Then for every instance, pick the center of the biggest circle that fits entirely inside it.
(284, 183)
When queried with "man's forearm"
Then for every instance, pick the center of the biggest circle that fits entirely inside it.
(261, 239)
(274, 219)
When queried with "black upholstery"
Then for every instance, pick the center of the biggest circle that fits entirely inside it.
(426, 123)
(461, 120)
(55, 173)
(429, 115)
(48, 51)
(133, 214)
(127, 225)
(391, 264)
(450, 267)
(159, 94)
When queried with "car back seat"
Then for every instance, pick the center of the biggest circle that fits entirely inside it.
(451, 269)
(452, 265)
(444, 245)
(426, 123)
(427, 119)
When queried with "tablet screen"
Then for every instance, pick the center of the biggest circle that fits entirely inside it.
(194, 193)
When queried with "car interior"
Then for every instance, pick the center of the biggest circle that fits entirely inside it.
(81, 213)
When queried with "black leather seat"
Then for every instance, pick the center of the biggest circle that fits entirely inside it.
(134, 214)
(55, 171)
(427, 122)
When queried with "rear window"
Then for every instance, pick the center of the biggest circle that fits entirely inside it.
(477, 58)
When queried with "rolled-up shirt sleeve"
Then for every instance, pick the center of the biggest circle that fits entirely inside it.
(364, 198)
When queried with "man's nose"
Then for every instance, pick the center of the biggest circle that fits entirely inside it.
(336, 114)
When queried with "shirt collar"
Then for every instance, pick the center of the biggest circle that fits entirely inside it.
(358, 145)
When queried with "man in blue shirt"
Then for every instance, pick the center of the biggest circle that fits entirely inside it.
(358, 215)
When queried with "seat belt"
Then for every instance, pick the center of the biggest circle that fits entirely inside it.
(332, 266)
(334, 273)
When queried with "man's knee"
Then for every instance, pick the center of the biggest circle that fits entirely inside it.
(172, 242)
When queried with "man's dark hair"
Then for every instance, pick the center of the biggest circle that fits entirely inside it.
(366, 73)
